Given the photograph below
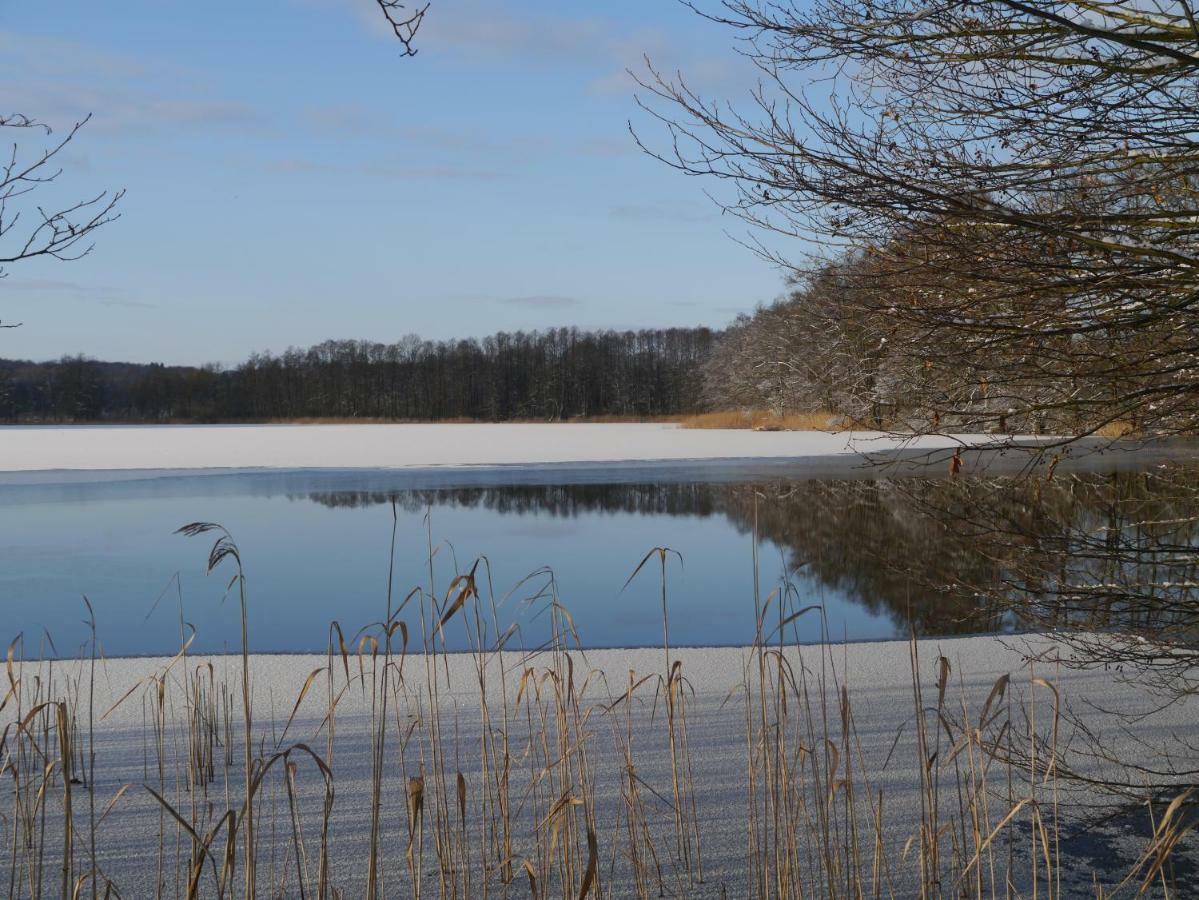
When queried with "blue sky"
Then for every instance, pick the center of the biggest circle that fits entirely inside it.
(291, 178)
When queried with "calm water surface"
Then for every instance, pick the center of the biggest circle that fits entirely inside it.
(869, 551)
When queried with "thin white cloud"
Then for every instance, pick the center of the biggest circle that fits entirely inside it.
(299, 166)
(489, 29)
(74, 291)
(371, 123)
(294, 166)
(661, 212)
(126, 109)
(126, 304)
(473, 141)
(607, 148)
(484, 30)
(40, 284)
(366, 12)
(122, 95)
(48, 57)
(347, 119)
(544, 301)
(426, 172)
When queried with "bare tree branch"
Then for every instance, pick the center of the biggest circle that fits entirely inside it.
(29, 230)
(404, 23)
(1005, 194)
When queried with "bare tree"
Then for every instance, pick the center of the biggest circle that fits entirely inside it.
(1026, 174)
(1008, 193)
(29, 229)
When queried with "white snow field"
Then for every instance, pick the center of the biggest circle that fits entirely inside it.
(34, 448)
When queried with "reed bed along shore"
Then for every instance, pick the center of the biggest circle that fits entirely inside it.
(766, 420)
(389, 767)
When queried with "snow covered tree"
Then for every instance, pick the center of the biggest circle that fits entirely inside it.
(1027, 174)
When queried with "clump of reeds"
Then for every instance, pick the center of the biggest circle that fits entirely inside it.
(1117, 429)
(533, 774)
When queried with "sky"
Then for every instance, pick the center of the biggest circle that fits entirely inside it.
(290, 177)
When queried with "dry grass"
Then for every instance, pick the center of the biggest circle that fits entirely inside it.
(1117, 429)
(503, 793)
(761, 420)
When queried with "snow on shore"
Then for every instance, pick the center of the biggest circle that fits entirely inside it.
(24, 449)
(867, 668)
(877, 677)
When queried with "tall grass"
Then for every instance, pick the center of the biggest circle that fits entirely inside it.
(397, 768)
(764, 420)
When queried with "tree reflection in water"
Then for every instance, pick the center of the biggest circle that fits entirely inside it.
(945, 556)
(1106, 561)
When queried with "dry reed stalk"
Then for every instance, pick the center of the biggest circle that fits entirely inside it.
(672, 687)
(816, 819)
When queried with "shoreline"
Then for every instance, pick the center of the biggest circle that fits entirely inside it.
(689, 649)
(471, 455)
(869, 666)
(877, 707)
(1007, 460)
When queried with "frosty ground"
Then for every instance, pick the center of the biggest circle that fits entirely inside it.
(876, 677)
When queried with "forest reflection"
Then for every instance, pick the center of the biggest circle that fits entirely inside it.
(943, 556)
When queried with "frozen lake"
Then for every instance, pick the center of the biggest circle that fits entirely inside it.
(316, 549)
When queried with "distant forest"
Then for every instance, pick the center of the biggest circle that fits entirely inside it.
(546, 375)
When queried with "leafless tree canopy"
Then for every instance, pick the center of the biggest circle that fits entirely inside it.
(997, 209)
(1006, 191)
(28, 227)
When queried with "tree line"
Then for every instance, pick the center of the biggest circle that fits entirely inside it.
(542, 375)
